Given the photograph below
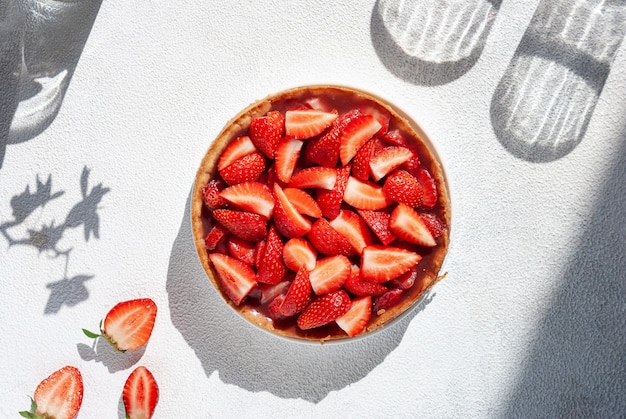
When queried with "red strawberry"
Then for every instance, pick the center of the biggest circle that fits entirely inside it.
(357, 286)
(353, 228)
(243, 224)
(237, 278)
(406, 280)
(319, 104)
(128, 325)
(388, 159)
(384, 263)
(216, 235)
(273, 309)
(403, 187)
(355, 320)
(327, 241)
(289, 222)
(266, 132)
(303, 202)
(258, 252)
(140, 394)
(423, 176)
(287, 153)
(330, 274)
(365, 195)
(434, 224)
(407, 224)
(325, 150)
(394, 137)
(387, 300)
(245, 169)
(298, 296)
(380, 114)
(314, 177)
(239, 147)
(272, 178)
(272, 269)
(361, 162)
(250, 196)
(298, 252)
(241, 249)
(211, 193)
(270, 291)
(355, 134)
(304, 124)
(330, 200)
(324, 310)
(59, 396)
(378, 222)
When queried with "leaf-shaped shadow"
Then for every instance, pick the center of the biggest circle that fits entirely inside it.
(26, 202)
(85, 212)
(67, 291)
(102, 351)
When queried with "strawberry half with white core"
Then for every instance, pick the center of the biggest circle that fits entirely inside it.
(140, 394)
(384, 263)
(365, 195)
(357, 132)
(303, 124)
(407, 224)
(355, 320)
(59, 396)
(236, 277)
(287, 153)
(241, 146)
(254, 197)
(128, 325)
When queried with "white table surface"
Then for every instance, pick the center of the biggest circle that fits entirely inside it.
(529, 322)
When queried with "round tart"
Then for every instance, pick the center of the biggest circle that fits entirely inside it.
(321, 213)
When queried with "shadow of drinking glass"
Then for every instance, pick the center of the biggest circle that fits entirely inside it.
(431, 42)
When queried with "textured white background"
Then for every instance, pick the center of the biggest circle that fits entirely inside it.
(530, 320)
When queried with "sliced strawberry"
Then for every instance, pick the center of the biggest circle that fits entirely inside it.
(272, 178)
(359, 287)
(270, 291)
(303, 202)
(378, 222)
(329, 274)
(361, 162)
(215, 236)
(355, 134)
(387, 300)
(243, 224)
(327, 241)
(241, 249)
(239, 147)
(324, 310)
(266, 132)
(351, 226)
(272, 269)
(298, 252)
(258, 253)
(365, 195)
(245, 169)
(253, 197)
(303, 124)
(434, 224)
(298, 296)
(325, 150)
(288, 220)
(381, 115)
(58, 396)
(287, 154)
(330, 200)
(429, 187)
(388, 159)
(394, 137)
(407, 224)
(406, 280)
(273, 309)
(400, 186)
(314, 177)
(384, 263)
(237, 278)
(355, 320)
(211, 194)
(140, 394)
(319, 103)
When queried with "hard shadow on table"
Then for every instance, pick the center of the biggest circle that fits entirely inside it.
(253, 359)
(429, 42)
(576, 364)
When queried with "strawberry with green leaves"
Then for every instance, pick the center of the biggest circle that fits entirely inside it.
(59, 396)
(140, 394)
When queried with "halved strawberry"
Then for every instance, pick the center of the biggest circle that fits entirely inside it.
(330, 200)
(245, 169)
(324, 310)
(237, 278)
(400, 186)
(329, 274)
(359, 287)
(407, 224)
(387, 300)
(319, 103)
(253, 197)
(140, 394)
(351, 226)
(266, 132)
(303, 124)
(378, 222)
(59, 396)
(429, 187)
(354, 320)
(406, 280)
(298, 296)
(273, 308)
(382, 116)
(243, 224)
(128, 325)
(325, 150)
(435, 225)
(239, 147)
(388, 159)
(211, 193)
(242, 250)
(361, 162)
(215, 236)
(271, 268)
(384, 263)
(298, 252)
(365, 195)
(270, 291)
(355, 134)
(314, 177)
(288, 220)
(287, 154)
(394, 137)
(327, 241)
(258, 252)
(303, 202)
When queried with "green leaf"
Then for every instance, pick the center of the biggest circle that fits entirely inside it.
(91, 334)
(28, 415)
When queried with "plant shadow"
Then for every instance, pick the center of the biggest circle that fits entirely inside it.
(102, 351)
